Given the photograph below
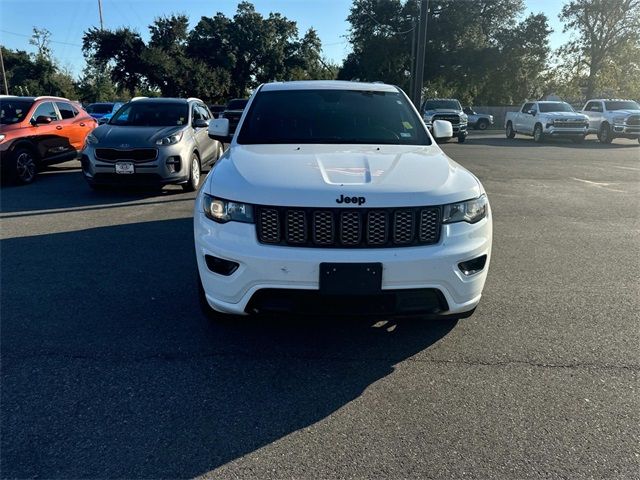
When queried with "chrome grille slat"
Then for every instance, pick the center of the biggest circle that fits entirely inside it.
(348, 227)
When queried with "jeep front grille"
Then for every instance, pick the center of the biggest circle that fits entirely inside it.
(348, 228)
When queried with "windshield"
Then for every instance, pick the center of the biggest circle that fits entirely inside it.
(14, 111)
(100, 108)
(151, 114)
(332, 116)
(441, 105)
(622, 105)
(237, 104)
(555, 107)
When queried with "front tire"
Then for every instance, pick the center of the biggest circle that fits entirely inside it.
(482, 124)
(538, 134)
(509, 131)
(461, 138)
(604, 134)
(24, 166)
(194, 175)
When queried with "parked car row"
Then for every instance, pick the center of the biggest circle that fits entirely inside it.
(608, 118)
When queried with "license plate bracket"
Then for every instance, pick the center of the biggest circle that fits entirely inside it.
(350, 278)
(125, 168)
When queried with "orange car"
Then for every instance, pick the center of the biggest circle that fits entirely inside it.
(36, 131)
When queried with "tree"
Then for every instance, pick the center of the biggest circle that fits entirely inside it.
(607, 31)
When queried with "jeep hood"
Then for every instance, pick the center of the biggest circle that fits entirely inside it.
(118, 135)
(316, 175)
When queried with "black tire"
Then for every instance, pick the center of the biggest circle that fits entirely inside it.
(604, 134)
(577, 140)
(509, 131)
(461, 138)
(23, 166)
(538, 134)
(194, 174)
(482, 124)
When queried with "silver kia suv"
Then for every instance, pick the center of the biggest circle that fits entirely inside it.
(152, 142)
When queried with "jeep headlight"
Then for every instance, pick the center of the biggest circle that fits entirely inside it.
(471, 211)
(223, 211)
(619, 119)
(92, 139)
(170, 140)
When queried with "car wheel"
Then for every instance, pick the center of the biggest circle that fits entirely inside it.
(194, 175)
(577, 139)
(461, 138)
(538, 135)
(483, 124)
(604, 134)
(509, 131)
(24, 166)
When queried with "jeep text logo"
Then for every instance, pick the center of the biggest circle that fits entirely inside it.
(358, 200)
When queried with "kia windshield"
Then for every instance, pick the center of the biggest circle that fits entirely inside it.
(332, 116)
(151, 114)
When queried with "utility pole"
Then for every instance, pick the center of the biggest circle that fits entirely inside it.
(4, 75)
(416, 94)
(412, 81)
(100, 10)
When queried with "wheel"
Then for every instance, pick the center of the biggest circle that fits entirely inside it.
(461, 138)
(509, 131)
(604, 134)
(194, 175)
(24, 166)
(538, 135)
(482, 124)
(577, 140)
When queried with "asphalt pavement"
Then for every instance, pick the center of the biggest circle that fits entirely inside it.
(110, 370)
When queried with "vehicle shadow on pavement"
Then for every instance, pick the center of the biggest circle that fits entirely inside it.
(62, 187)
(110, 369)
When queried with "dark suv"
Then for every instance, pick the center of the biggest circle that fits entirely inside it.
(233, 112)
(152, 141)
(37, 131)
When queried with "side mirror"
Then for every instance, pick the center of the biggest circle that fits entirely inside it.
(200, 123)
(532, 112)
(442, 129)
(219, 130)
(43, 120)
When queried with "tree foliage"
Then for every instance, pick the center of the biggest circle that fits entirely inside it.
(476, 50)
(603, 56)
(219, 58)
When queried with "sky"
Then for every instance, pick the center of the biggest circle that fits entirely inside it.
(68, 19)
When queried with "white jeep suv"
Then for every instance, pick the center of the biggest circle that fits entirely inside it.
(333, 198)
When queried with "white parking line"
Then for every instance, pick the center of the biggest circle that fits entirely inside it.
(599, 185)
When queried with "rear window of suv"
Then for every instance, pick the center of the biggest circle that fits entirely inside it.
(332, 116)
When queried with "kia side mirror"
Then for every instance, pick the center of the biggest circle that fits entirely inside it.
(442, 129)
(219, 130)
(200, 123)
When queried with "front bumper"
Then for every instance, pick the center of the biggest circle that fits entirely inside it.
(554, 131)
(163, 170)
(432, 269)
(626, 131)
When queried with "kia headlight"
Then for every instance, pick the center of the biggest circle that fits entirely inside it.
(92, 139)
(170, 139)
(223, 211)
(471, 211)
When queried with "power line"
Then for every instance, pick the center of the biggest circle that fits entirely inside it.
(51, 41)
(383, 25)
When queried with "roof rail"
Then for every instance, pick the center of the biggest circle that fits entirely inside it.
(194, 99)
(53, 97)
(137, 98)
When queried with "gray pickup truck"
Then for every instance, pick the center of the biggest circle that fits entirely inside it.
(478, 121)
(448, 109)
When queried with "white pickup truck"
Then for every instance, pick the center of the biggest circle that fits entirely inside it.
(547, 119)
(613, 118)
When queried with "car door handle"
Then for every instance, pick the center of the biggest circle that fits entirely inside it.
(82, 124)
(59, 127)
